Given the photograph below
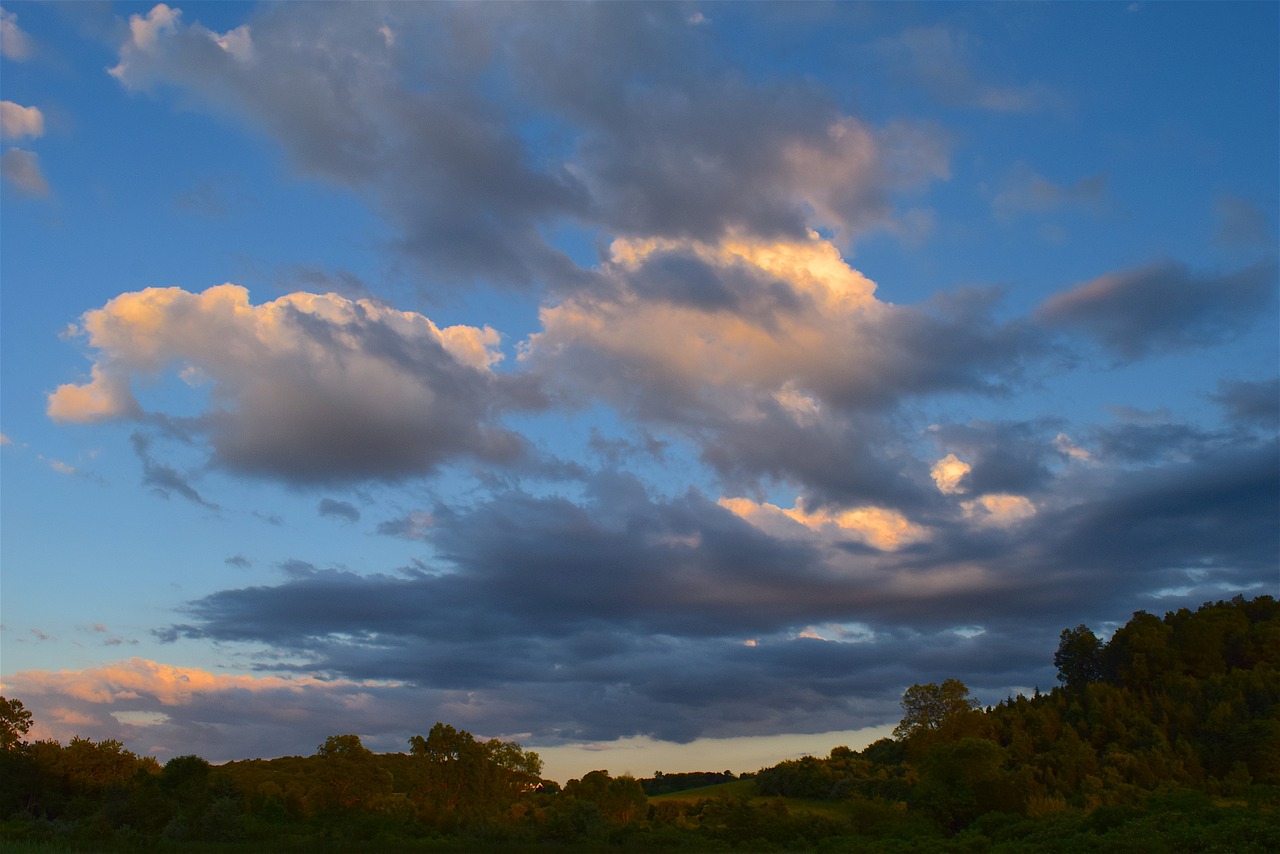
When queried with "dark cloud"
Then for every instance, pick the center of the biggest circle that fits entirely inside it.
(338, 509)
(238, 561)
(625, 614)
(162, 478)
(411, 527)
(1163, 307)
(1002, 456)
(1246, 402)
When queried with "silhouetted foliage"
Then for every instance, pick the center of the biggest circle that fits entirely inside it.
(1079, 657)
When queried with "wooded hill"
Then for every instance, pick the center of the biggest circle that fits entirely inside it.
(1164, 738)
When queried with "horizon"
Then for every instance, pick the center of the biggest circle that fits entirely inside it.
(627, 380)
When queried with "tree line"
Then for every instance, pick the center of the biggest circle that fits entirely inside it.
(1165, 737)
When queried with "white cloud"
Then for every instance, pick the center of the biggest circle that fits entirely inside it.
(17, 121)
(237, 42)
(145, 31)
(14, 43)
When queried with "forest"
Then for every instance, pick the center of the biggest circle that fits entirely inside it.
(1164, 737)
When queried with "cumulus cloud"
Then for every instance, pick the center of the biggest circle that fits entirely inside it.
(14, 43)
(776, 358)
(21, 169)
(17, 121)
(307, 388)
(948, 473)
(1163, 307)
(405, 122)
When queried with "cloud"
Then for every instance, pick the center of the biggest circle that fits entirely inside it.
(164, 479)
(628, 146)
(172, 711)
(886, 530)
(940, 59)
(1163, 307)
(948, 473)
(1026, 192)
(21, 169)
(338, 509)
(14, 43)
(1250, 402)
(17, 121)
(1000, 510)
(775, 358)
(1240, 224)
(62, 468)
(998, 457)
(414, 526)
(306, 388)
(625, 613)
(238, 560)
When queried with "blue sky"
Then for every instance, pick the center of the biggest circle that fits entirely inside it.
(620, 376)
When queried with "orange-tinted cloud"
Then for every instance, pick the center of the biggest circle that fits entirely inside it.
(881, 528)
(308, 386)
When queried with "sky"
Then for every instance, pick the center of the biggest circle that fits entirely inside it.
(663, 386)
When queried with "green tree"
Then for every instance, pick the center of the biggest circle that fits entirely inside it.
(1078, 658)
(930, 707)
(15, 723)
(468, 778)
(348, 774)
(962, 780)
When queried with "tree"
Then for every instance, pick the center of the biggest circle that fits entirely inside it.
(348, 775)
(15, 723)
(1079, 657)
(467, 777)
(927, 708)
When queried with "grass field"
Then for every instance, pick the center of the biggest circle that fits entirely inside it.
(747, 789)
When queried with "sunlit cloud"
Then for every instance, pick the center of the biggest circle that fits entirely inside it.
(14, 43)
(948, 472)
(308, 387)
(999, 510)
(17, 121)
(881, 528)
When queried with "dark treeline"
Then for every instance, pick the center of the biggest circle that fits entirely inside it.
(1164, 738)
